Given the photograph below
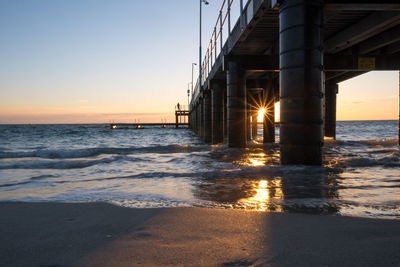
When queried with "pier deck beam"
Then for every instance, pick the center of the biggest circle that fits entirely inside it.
(331, 89)
(236, 105)
(217, 127)
(207, 116)
(269, 115)
(301, 81)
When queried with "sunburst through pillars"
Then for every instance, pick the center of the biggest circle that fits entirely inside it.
(264, 107)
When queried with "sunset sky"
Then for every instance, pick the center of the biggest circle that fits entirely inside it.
(80, 61)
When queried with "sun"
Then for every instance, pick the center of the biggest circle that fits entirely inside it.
(261, 113)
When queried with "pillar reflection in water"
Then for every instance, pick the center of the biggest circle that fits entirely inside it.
(255, 181)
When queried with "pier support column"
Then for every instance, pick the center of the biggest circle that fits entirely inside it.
(207, 116)
(301, 81)
(254, 123)
(331, 89)
(236, 108)
(248, 117)
(201, 118)
(254, 114)
(269, 115)
(225, 123)
(197, 118)
(217, 115)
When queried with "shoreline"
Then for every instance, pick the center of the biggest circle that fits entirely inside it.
(100, 234)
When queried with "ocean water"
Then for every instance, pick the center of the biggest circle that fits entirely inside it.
(155, 167)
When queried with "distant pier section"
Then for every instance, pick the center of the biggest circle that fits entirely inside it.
(181, 120)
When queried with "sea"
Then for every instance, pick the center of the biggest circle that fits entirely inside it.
(156, 167)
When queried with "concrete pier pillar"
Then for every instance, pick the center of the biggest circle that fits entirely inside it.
(225, 123)
(207, 116)
(331, 89)
(217, 116)
(254, 123)
(257, 99)
(248, 117)
(236, 108)
(195, 118)
(269, 115)
(301, 81)
(198, 118)
(201, 118)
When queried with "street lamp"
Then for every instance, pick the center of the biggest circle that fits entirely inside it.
(206, 3)
(188, 92)
(193, 64)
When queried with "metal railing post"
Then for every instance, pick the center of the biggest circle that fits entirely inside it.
(220, 29)
(229, 17)
(215, 43)
(241, 16)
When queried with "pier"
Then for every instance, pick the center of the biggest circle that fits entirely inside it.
(181, 119)
(295, 52)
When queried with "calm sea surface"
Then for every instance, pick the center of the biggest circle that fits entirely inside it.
(157, 167)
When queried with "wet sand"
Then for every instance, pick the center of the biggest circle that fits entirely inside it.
(98, 234)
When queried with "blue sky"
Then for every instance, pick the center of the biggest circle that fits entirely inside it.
(99, 57)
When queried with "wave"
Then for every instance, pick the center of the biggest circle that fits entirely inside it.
(58, 164)
(93, 152)
(385, 142)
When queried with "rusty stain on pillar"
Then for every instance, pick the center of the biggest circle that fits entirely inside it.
(301, 84)
(331, 90)
(217, 104)
(236, 108)
(269, 115)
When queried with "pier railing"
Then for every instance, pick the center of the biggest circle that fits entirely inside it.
(181, 107)
(221, 39)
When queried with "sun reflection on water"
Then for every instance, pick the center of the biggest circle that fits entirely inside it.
(266, 197)
(258, 158)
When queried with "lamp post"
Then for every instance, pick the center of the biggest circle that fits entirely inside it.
(200, 74)
(193, 64)
(188, 93)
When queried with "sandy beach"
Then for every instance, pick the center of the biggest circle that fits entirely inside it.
(98, 234)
